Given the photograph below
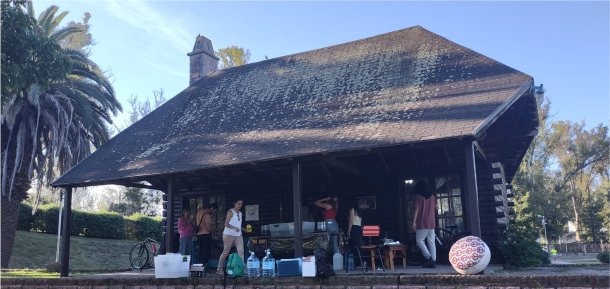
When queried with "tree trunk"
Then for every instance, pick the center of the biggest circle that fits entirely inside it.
(21, 185)
(10, 215)
(576, 220)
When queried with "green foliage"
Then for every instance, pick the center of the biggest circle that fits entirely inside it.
(138, 222)
(520, 248)
(604, 257)
(46, 219)
(233, 56)
(25, 217)
(28, 56)
(105, 225)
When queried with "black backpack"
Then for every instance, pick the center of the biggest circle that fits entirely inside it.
(324, 268)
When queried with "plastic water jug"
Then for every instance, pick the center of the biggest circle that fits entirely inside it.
(268, 265)
(265, 230)
(337, 262)
(350, 260)
(254, 265)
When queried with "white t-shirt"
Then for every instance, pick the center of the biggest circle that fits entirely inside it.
(235, 222)
(357, 221)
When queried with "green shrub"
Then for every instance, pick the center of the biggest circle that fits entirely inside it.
(137, 222)
(46, 219)
(604, 257)
(520, 248)
(25, 217)
(105, 225)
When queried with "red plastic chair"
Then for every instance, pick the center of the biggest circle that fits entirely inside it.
(372, 231)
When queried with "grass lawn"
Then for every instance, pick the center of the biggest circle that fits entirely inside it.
(36, 250)
(37, 274)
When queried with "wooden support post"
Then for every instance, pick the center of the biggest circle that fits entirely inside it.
(65, 238)
(471, 196)
(169, 220)
(296, 200)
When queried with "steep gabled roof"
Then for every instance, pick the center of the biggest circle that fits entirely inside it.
(401, 87)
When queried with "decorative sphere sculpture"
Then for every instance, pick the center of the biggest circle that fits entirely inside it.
(469, 255)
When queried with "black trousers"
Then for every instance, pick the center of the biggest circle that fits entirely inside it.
(204, 242)
(355, 241)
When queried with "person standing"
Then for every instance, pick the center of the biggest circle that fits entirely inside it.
(204, 236)
(424, 222)
(354, 228)
(185, 228)
(232, 234)
(554, 253)
(330, 206)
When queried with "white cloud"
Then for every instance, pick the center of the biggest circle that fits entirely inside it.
(161, 29)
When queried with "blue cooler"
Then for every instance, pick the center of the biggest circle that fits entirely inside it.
(289, 267)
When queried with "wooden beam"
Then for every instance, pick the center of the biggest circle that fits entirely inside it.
(65, 234)
(447, 155)
(169, 225)
(471, 195)
(385, 164)
(343, 166)
(414, 160)
(296, 197)
(480, 151)
(141, 186)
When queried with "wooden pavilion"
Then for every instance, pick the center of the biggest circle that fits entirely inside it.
(359, 119)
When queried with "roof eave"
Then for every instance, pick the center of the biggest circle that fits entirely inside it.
(491, 118)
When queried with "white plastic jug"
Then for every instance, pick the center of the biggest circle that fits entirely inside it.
(337, 262)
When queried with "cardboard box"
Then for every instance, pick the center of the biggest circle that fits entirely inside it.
(308, 267)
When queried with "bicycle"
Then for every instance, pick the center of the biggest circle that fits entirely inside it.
(139, 257)
(414, 255)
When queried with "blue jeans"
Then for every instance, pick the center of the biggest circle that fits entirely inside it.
(186, 245)
(333, 227)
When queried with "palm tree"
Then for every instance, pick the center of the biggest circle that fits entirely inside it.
(51, 130)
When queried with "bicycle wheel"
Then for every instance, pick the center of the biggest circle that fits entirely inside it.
(138, 256)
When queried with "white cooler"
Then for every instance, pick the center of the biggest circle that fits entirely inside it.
(172, 266)
(309, 267)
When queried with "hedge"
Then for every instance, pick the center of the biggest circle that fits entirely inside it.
(105, 225)
(25, 217)
(137, 222)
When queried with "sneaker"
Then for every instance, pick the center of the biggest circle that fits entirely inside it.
(430, 264)
(426, 262)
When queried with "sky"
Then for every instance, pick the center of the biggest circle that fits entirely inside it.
(563, 45)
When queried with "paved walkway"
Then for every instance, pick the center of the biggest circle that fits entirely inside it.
(411, 270)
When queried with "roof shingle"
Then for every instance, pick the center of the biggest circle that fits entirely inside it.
(405, 86)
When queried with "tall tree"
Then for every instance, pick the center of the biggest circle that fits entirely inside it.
(233, 56)
(57, 104)
(559, 172)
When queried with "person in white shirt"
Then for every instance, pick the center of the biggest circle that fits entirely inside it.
(232, 234)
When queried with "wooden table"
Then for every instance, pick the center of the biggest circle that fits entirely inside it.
(396, 251)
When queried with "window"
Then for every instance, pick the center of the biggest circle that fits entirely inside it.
(449, 200)
(202, 202)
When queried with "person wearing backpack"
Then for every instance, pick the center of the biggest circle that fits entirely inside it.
(204, 233)
(232, 234)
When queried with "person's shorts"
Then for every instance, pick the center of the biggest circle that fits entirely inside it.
(554, 255)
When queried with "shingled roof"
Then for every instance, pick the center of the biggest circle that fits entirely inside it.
(401, 87)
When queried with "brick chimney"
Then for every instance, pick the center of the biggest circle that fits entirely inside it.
(203, 60)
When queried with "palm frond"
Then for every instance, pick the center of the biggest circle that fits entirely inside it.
(30, 9)
(62, 33)
(46, 17)
(54, 23)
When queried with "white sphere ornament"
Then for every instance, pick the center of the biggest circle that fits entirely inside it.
(469, 255)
